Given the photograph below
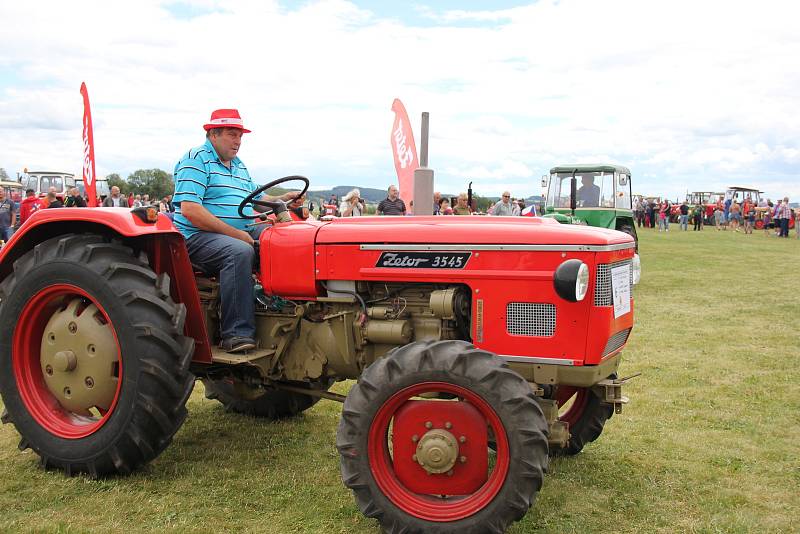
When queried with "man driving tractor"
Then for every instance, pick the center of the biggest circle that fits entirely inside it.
(210, 182)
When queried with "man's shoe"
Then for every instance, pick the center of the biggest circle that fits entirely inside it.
(237, 344)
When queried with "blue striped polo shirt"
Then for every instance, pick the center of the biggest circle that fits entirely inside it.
(201, 177)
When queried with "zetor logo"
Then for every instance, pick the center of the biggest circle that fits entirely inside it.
(423, 260)
(404, 155)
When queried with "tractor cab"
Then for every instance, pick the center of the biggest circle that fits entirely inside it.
(595, 195)
(740, 194)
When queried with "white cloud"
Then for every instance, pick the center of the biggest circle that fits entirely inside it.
(683, 93)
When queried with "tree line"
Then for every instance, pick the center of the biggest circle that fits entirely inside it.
(153, 182)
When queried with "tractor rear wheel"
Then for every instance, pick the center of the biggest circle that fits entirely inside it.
(238, 397)
(586, 414)
(420, 465)
(93, 362)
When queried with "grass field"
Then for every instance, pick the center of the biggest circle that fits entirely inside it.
(709, 443)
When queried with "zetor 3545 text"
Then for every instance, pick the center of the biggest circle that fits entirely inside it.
(481, 346)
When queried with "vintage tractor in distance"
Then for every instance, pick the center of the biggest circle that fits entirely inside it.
(595, 195)
(480, 345)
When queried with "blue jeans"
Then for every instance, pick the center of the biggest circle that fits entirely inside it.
(231, 260)
(5, 233)
(684, 221)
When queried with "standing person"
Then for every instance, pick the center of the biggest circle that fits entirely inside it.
(115, 199)
(350, 206)
(726, 209)
(210, 183)
(638, 211)
(8, 216)
(504, 206)
(797, 222)
(437, 198)
(718, 217)
(684, 209)
(130, 199)
(29, 204)
(785, 215)
(137, 201)
(53, 201)
(697, 216)
(392, 204)
(75, 200)
(652, 212)
(735, 215)
(444, 207)
(461, 207)
(663, 217)
(750, 219)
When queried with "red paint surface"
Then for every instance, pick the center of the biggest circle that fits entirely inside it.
(466, 421)
(425, 506)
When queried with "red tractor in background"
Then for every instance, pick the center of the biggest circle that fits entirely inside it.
(481, 346)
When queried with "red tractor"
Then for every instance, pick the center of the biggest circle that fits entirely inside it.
(481, 346)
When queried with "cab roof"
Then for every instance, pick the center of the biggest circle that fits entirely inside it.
(591, 167)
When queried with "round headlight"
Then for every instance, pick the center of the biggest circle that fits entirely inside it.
(571, 280)
(582, 282)
(636, 267)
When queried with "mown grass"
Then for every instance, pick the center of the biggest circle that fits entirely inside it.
(709, 443)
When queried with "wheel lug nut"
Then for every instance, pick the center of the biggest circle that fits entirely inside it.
(72, 327)
(48, 369)
(463, 459)
(67, 392)
(415, 438)
(463, 439)
(91, 349)
(428, 425)
(89, 382)
(448, 425)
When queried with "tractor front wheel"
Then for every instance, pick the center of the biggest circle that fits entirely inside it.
(93, 361)
(414, 435)
(586, 414)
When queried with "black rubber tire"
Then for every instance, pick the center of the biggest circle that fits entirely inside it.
(631, 231)
(455, 362)
(155, 355)
(273, 404)
(588, 427)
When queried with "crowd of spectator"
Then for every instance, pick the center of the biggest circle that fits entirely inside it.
(724, 214)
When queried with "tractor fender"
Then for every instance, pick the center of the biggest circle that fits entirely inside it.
(161, 241)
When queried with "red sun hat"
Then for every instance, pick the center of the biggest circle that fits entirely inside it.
(226, 118)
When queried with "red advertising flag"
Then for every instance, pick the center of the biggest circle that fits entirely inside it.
(88, 151)
(405, 151)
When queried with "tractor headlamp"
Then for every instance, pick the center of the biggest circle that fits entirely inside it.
(571, 280)
(636, 269)
(148, 214)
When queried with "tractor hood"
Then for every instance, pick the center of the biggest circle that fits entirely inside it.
(465, 230)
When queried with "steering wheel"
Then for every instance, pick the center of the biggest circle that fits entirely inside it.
(276, 206)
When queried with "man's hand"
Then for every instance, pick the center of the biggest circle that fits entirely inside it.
(291, 195)
(244, 236)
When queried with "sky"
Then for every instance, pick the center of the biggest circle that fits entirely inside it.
(690, 95)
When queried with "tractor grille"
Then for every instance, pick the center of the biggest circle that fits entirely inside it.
(530, 319)
(602, 283)
(616, 341)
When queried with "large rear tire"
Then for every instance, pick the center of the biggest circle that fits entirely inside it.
(270, 404)
(94, 367)
(369, 430)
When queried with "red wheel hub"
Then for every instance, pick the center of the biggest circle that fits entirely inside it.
(437, 496)
(80, 409)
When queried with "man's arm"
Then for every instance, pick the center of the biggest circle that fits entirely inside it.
(202, 219)
(379, 209)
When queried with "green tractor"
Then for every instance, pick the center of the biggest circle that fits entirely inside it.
(595, 195)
